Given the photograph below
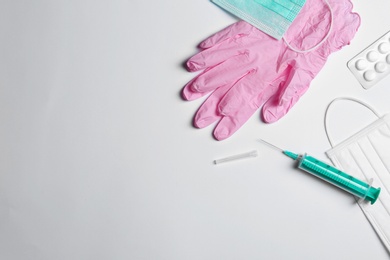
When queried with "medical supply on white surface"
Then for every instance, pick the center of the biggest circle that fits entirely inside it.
(236, 157)
(366, 154)
(312, 48)
(244, 69)
(372, 64)
(271, 17)
(332, 175)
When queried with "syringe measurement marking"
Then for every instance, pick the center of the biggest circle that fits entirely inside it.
(332, 176)
(326, 173)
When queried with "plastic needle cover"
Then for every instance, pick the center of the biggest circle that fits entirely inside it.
(236, 157)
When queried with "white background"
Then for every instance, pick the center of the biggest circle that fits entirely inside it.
(99, 158)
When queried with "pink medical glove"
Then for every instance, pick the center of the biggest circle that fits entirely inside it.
(245, 69)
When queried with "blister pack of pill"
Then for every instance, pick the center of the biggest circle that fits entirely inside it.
(373, 63)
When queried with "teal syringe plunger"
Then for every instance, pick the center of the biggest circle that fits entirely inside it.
(334, 176)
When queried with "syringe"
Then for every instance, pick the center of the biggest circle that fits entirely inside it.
(333, 175)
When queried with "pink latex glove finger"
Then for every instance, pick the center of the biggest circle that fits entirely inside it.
(237, 109)
(250, 91)
(217, 54)
(188, 94)
(235, 30)
(306, 67)
(217, 76)
(208, 112)
(270, 59)
(211, 110)
(237, 39)
(297, 83)
(219, 106)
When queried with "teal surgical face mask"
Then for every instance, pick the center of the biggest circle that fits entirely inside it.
(270, 16)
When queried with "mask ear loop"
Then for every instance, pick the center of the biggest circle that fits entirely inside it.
(344, 98)
(322, 41)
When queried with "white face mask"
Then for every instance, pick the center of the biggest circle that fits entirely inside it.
(366, 155)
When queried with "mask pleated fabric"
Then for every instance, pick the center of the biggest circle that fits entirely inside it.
(366, 155)
(273, 17)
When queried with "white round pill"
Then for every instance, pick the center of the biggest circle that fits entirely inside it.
(361, 64)
(388, 58)
(384, 47)
(369, 75)
(372, 56)
(380, 67)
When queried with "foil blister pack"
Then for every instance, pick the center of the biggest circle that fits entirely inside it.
(373, 63)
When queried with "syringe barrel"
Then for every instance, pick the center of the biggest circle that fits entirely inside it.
(338, 178)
